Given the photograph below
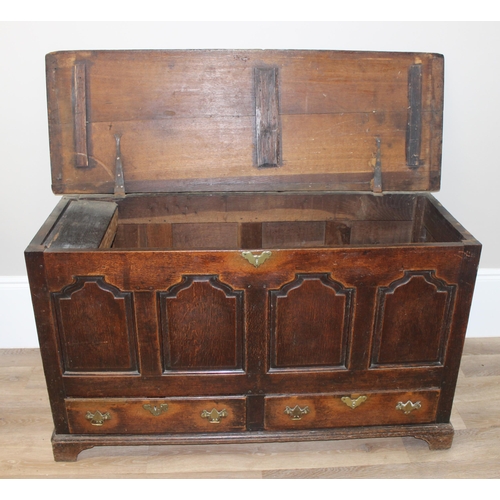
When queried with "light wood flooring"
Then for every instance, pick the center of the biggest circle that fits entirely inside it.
(26, 428)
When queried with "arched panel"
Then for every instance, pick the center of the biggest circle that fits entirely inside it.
(310, 322)
(413, 320)
(96, 326)
(202, 325)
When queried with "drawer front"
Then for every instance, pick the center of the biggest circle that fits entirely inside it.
(156, 416)
(348, 410)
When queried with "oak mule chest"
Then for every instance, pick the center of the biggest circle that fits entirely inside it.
(246, 249)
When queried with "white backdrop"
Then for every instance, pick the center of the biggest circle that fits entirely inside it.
(470, 170)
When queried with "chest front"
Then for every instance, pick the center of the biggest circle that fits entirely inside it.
(246, 249)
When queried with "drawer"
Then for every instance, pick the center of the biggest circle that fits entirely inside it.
(156, 416)
(312, 411)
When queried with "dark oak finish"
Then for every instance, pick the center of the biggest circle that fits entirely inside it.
(96, 327)
(67, 447)
(299, 302)
(177, 415)
(267, 118)
(85, 224)
(202, 325)
(310, 333)
(423, 340)
(328, 410)
(414, 127)
(80, 113)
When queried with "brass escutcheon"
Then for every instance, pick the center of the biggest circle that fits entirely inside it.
(296, 413)
(408, 407)
(97, 418)
(256, 260)
(156, 411)
(353, 403)
(214, 416)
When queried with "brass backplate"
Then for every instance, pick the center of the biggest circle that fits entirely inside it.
(156, 411)
(353, 403)
(256, 260)
(296, 413)
(408, 407)
(214, 416)
(97, 418)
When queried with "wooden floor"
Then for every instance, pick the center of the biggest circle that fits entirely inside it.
(26, 428)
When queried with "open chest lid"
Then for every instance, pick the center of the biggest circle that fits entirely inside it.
(238, 120)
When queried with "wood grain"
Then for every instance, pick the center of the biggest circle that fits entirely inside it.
(209, 118)
(181, 415)
(274, 220)
(84, 224)
(80, 112)
(293, 315)
(96, 327)
(414, 127)
(267, 117)
(202, 325)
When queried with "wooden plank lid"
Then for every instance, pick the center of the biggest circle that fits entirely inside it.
(233, 120)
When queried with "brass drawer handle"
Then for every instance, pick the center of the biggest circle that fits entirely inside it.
(214, 416)
(296, 413)
(256, 260)
(156, 411)
(353, 403)
(97, 418)
(408, 407)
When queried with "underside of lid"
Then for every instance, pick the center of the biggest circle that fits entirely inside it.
(231, 120)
